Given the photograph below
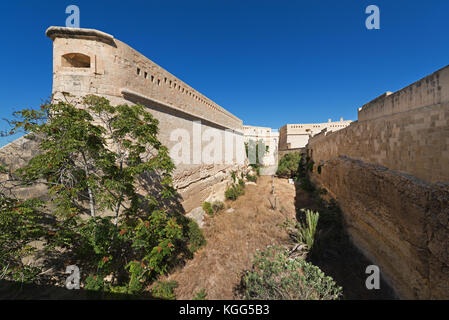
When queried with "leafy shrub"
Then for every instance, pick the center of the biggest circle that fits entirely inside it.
(141, 241)
(275, 276)
(200, 295)
(256, 168)
(234, 191)
(288, 165)
(20, 224)
(213, 208)
(231, 193)
(207, 207)
(134, 251)
(217, 206)
(195, 236)
(165, 290)
(251, 177)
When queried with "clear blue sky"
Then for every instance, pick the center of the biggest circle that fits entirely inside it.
(268, 62)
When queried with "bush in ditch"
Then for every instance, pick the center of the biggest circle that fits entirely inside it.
(275, 276)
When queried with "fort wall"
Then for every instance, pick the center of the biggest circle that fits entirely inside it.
(87, 61)
(389, 172)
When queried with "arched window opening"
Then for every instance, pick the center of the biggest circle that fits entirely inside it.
(76, 60)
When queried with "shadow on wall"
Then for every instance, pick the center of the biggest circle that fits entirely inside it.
(333, 251)
(18, 153)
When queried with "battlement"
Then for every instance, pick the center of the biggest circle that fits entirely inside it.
(295, 136)
(88, 61)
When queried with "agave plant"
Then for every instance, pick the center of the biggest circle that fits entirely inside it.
(306, 231)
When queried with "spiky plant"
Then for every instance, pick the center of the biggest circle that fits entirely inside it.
(306, 231)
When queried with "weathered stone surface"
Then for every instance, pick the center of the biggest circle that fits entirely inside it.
(398, 218)
(398, 221)
(197, 214)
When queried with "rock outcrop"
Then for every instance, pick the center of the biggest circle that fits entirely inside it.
(397, 220)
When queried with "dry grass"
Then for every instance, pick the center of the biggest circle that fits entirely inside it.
(233, 238)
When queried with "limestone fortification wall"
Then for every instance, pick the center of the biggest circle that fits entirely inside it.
(389, 172)
(427, 92)
(123, 75)
(87, 61)
(293, 136)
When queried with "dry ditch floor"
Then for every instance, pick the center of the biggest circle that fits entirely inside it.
(233, 238)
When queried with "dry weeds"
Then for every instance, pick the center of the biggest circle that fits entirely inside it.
(233, 238)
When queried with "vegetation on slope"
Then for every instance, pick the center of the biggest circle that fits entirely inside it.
(288, 165)
(235, 190)
(94, 161)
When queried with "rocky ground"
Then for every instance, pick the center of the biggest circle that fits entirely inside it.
(233, 238)
(234, 235)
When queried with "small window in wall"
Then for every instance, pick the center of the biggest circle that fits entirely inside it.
(145, 75)
(152, 78)
(138, 71)
(158, 82)
(75, 60)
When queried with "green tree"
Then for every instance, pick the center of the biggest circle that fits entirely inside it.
(20, 224)
(255, 151)
(96, 153)
(95, 159)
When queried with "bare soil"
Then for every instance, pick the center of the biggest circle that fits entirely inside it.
(233, 238)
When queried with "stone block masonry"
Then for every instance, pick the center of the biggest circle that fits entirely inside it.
(412, 139)
(87, 61)
(389, 171)
(295, 136)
